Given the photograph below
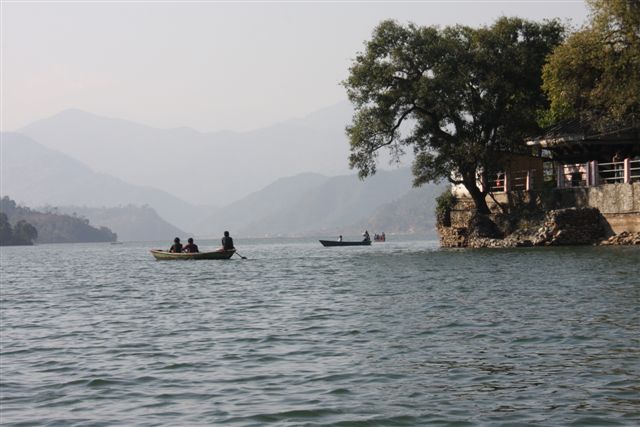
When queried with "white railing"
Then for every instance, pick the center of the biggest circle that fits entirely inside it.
(521, 180)
(512, 181)
(611, 173)
(634, 170)
(572, 175)
(498, 185)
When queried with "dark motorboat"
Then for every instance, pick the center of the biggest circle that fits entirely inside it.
(336, 243)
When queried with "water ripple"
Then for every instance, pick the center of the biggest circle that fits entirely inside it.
(398, 334)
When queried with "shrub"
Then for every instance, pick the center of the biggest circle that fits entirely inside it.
(444, 203)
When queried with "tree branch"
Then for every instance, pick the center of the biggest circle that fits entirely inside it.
(434, 119)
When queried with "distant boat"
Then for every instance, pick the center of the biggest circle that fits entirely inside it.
(336, 243)
(162, 255)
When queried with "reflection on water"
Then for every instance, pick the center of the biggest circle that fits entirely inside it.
(399, 333)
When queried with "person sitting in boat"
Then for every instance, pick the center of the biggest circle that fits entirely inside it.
(177, 246)
(340, 238)
(190, 246)
(367, 238)
(227, 242)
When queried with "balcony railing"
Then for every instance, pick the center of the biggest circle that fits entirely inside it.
(634, 170)
(594, 173)
(512, 181)
(611, 173)
(569, 176)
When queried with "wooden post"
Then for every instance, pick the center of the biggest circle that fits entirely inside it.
(560, 175)
(527, 181)
(596, 175)
(506, 182)
(627, 170)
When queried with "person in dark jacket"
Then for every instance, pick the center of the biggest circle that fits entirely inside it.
(177, 246)
(191, 247)
(227, 242)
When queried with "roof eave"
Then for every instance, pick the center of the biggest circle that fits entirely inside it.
(550, 142)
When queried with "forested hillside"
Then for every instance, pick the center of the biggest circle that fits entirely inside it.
(54, 227)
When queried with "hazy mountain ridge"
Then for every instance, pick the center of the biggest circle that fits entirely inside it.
(260, 204)
(304, 204)
(412, 213)
(338, 203)
(132, 223)
(201, 167)
(342, 204)
(37, 176)
(180, 160)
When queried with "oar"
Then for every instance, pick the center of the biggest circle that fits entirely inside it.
(243, 257)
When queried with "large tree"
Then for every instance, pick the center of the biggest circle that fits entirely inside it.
(460, 97)
(595, 75)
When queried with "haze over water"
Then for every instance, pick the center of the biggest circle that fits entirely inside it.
(400, 333)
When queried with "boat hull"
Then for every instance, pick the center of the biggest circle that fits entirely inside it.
(335, 243)
(161, 255)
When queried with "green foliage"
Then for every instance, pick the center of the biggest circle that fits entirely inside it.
(461, 96)
(444, 204)
(6, 233)
(22, 234)
(25, 232)
(595, 74)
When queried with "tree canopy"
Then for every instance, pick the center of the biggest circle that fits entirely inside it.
(459, 97)
(22, 234)
(595, 74)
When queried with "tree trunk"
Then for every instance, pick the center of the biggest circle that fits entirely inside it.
(478, 196)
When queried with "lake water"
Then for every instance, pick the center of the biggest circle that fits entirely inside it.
(397, 334)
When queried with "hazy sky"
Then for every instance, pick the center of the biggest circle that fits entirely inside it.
(204, 64)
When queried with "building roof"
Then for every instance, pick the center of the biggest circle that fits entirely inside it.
(573, 141)
(574, 132)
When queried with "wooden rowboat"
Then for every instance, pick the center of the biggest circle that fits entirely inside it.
(336, 243)
(162, 255)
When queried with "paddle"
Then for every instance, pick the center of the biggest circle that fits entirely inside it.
(243, 257)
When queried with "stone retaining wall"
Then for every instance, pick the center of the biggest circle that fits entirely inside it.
(571, 226)
(617, 207)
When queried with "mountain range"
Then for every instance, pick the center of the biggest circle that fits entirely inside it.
(36, 176)
(311, 204)
(203, 168)
(63, 172)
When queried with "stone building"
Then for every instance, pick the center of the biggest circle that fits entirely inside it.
(599, 169)
(570, 167)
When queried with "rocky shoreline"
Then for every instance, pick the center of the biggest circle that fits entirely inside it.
(560, 227)
(624, 238)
